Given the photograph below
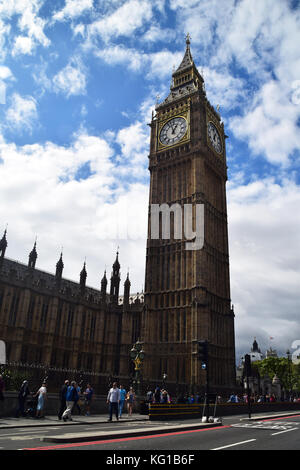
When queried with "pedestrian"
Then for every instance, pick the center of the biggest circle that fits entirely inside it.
(77, 404)
(122, 400)
(62, 398)
(157, 395)
(88, 395)
(23, 394)
(42, 396)
(71, 400)
(149, 396)
(130, 399)
(233, 398)
(113, 399)
(165, 397)
(191, 399)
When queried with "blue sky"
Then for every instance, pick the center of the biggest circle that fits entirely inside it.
(78, 82)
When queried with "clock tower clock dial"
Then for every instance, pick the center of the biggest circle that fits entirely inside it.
(214, 137)
(173, 131)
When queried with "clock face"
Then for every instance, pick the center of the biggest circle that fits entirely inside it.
(214, 137)
(173, 131)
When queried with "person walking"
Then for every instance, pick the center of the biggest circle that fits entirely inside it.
(62, 398)
(42, 396)
(23, 394)
(113, 399)
(88, 395)
(122, 400)
(130, 399)
(71, 399)
(77, 404)
(157, 395)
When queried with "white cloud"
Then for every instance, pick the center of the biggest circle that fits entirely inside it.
(114, 55)
(124, 21)
(71, 80)
(5, 75)
(22, 45)
(4, 32)
(264, 236)
(22, 113)
(29, 23)
(224, 89)
(157, 65)
(270, 125)
(73, 9)
(134, 143)
(156, 33)
(90, 216)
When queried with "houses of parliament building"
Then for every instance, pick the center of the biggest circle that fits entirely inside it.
(49, 320)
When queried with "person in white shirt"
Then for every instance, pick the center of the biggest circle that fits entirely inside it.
(113, 399)
(42, 395)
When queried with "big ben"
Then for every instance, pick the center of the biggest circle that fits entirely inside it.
(187, 291)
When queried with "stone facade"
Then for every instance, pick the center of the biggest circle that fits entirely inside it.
(46, 319)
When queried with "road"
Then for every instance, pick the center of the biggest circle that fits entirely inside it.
(282, 433)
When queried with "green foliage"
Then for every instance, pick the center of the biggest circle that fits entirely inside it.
(13, 379)
(287, 372)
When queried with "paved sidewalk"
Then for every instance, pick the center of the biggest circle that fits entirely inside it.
(6, 422)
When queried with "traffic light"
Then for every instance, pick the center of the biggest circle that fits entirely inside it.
(202, 351)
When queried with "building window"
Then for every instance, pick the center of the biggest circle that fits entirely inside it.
(30, 312)
(70, 321)
(44, 315)
(14, 309)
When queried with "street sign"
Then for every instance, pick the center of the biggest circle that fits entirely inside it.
(2, 352)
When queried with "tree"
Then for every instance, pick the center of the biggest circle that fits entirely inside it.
(285, 370)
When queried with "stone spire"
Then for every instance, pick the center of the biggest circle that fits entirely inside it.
(186, 80)
(83, 276)
(187, 60)
(127, 285)
(32, 257)
(3, 244)
(103, 286)
(59, 269)
(115, 281)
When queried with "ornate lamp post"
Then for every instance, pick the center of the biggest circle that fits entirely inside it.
(137, 355)
(164, 379)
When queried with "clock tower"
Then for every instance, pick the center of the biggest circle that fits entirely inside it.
(187, 287)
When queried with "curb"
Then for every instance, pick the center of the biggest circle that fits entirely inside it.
(261, 418)
(85, 437)
(46, 423)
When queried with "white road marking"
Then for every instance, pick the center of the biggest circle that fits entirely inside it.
(287, 430)
(236, 444)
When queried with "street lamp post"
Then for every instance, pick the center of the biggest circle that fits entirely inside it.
(137, 355)
(164, 380)
(289, 372)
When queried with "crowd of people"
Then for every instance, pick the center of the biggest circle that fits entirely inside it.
(32, 404)
(117, 397)
(72, 397)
